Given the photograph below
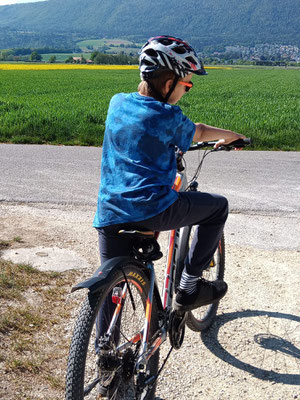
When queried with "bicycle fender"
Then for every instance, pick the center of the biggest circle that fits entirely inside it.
(102, 275)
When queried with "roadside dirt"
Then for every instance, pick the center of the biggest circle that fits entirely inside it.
(251, 351)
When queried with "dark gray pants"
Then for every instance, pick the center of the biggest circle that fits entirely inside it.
(208, 211)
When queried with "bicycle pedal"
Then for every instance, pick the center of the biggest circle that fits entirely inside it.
(179, 319)
(177, 328)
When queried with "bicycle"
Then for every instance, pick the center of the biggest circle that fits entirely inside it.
(127, 356)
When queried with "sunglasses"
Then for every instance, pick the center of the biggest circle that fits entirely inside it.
(188, 85)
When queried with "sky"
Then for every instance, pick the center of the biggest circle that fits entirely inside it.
(5, 2)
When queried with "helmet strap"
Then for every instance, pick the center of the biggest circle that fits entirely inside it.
(158, 95)
(176, 79)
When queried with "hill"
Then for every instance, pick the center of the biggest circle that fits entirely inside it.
(204, 22)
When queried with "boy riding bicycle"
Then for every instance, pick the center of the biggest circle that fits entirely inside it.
(138, 169)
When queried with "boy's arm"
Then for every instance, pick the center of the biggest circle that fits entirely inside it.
(205, 133)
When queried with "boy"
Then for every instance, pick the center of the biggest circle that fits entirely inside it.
(138, 170)
(138, 167)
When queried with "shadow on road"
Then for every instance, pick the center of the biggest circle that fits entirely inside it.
(276, 346)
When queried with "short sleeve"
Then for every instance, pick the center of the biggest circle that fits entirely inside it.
(184, 130)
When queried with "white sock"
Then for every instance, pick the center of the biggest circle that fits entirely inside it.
(188, 282)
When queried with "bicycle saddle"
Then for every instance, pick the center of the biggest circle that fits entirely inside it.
(135, 234)
(145, 246)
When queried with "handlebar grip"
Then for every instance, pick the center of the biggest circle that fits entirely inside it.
(236, 144)
(239, 143)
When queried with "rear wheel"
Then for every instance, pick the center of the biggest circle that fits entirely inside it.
(201, 318)
(109, 359)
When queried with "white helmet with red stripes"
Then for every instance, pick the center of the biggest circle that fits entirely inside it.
(167, 52)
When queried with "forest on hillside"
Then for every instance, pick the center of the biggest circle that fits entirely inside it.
(203, 22)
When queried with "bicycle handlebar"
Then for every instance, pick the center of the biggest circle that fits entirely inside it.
(237, 144)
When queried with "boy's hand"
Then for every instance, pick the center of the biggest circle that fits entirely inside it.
(230, 138)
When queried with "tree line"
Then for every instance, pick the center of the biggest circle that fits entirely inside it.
(103, 58)
(31, 54)
(118, 59)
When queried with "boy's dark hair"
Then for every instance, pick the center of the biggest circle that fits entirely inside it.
(153, 86)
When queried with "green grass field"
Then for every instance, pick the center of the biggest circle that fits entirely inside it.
(69, 107)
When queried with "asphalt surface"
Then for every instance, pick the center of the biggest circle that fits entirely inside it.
(263, 188)
(267, 182)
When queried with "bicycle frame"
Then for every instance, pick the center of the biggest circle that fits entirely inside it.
(168, 285)
(146, 353)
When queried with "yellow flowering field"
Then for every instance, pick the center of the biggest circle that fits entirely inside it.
(40, 67)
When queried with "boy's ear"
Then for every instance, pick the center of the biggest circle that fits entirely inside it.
(167, 86)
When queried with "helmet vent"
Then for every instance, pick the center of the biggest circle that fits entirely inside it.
(151, 53)
(191, 59)
(186, 65)
(149, 63)
(165, 42)
(179, 50)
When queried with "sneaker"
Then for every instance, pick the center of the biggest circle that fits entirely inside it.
(207, 293)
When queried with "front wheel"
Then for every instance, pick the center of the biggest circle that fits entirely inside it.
(201, 318)
(106, 343)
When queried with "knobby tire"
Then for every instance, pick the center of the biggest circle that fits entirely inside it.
(82, 363)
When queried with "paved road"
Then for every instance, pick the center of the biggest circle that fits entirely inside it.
(266, 182)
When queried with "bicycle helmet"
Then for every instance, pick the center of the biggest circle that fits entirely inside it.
(167, 52)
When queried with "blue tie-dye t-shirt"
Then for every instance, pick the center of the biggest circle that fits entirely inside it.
(138, 165)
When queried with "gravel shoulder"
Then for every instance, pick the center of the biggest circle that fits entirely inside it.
(252, 350)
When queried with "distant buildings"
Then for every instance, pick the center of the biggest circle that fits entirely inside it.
(81, 60)
(260, 52)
